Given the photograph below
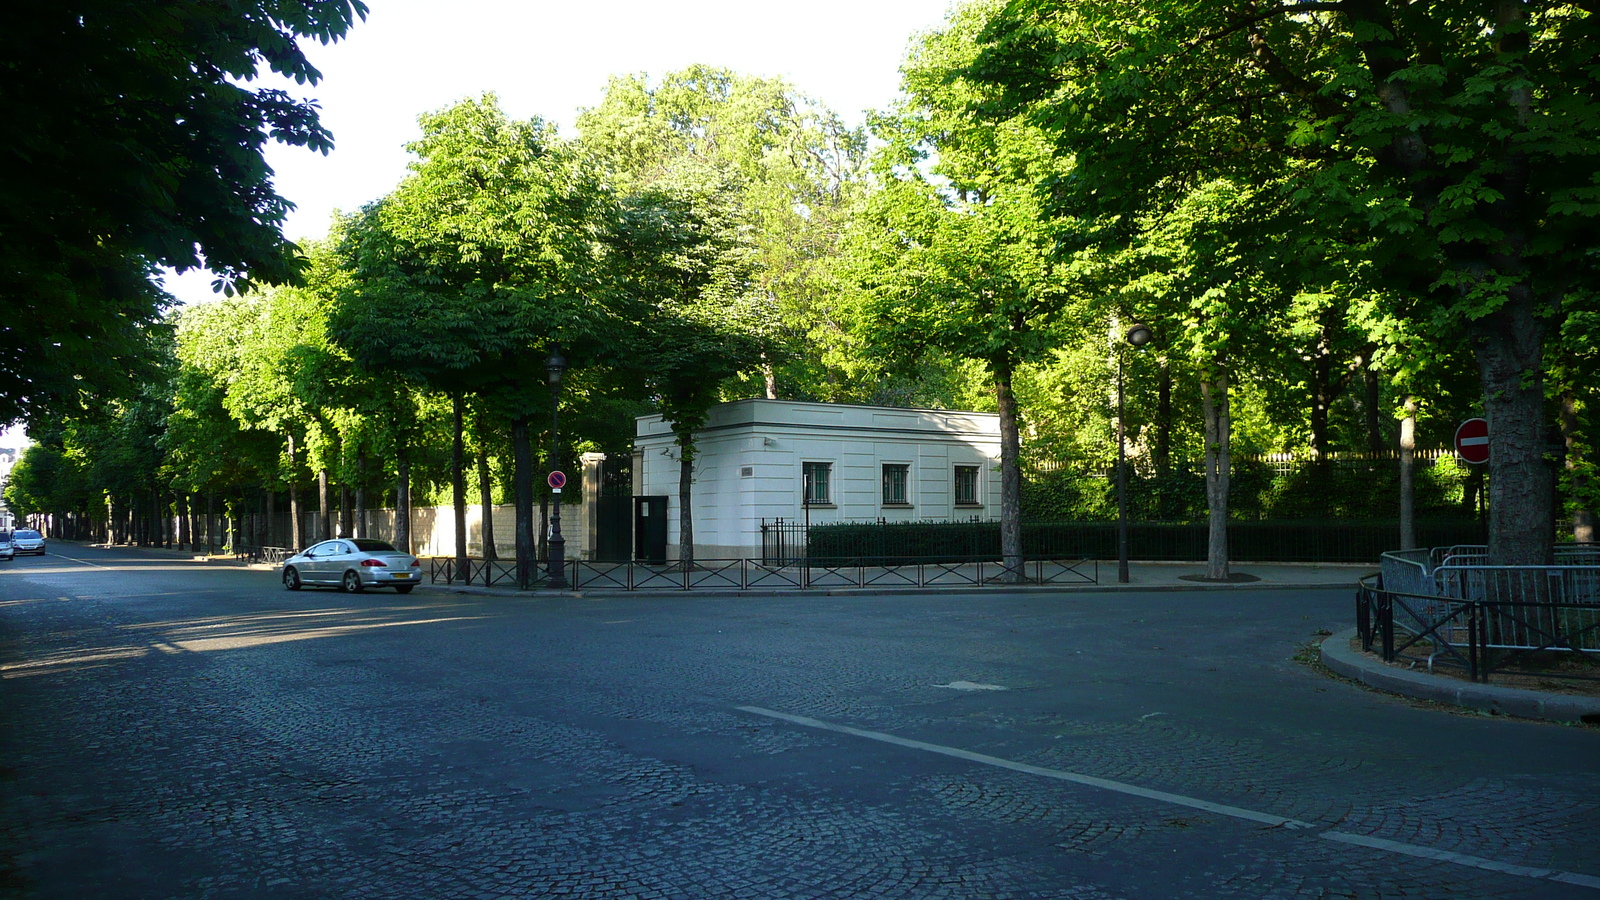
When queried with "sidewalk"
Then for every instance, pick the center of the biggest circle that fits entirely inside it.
(1371, 671)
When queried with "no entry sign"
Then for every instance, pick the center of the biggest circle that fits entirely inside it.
(1472, 441)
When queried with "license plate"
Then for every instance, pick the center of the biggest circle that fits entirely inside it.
(401, 576)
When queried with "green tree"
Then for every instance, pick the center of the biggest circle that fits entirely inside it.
(134, 141)
(460, 278)
(1456, 135)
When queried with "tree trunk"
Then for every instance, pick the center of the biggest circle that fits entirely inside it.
(346, 526)
(1408, 467)
(1521, 486)
(522, 478)
(271, 499)
(297, 537)
(211, 522)
(1010, 476)
(1214, 403)
(361, 495)
(486, 500)
(1377, 439)
(458, 482)
(402, 497)
(685, 509)
(1577, 480)
(324, 507)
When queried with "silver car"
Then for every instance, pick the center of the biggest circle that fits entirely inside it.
(26, 540)
(7, 551)
(352, 564)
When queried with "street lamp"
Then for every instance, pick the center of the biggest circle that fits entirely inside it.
(1138, 335)
(555, 366)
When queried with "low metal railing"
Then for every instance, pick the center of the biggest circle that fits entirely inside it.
(270, 555)
(485, 572)
(1482, 636)
(754, 574)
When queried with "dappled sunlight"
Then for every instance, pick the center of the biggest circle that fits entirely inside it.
(212, 634)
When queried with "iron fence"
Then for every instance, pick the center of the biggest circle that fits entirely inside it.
(270, 555)
(755, 574)
(484, 572)
(1479, 635)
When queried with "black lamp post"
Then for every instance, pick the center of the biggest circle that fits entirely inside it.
(1138, 335)
(555, 366)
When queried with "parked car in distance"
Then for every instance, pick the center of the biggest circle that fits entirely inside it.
(7, 551)
(352, 564)
(26, 540)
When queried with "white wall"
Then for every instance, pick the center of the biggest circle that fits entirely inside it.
(750, 456)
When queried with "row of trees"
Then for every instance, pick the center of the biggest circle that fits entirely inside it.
(1332, 222)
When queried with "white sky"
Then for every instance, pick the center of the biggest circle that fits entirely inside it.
(550, 59)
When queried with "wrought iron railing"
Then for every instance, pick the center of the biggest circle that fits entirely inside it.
(1481, 636)
(483, 572)
(755, 574)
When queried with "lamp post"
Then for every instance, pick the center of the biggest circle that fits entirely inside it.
(555, 366)
(1138, 335)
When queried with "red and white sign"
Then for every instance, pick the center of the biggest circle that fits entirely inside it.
(557, 480)
(1472, 441)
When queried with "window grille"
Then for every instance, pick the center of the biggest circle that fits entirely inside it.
(816, 476)
(966, 485)
(895, 476)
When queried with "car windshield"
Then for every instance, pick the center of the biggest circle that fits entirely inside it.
(375, 547)
(27, 534)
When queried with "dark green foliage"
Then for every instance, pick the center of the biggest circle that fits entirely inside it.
(1259, 490)
(133, 141)
(902, 543)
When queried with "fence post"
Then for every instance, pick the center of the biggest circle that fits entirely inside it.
(1386, 625)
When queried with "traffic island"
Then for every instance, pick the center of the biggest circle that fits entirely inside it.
(1341, 657)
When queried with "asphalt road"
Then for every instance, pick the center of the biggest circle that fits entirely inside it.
(172, 729)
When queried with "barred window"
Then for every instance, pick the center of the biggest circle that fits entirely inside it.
(895, 476)
(816, 477)
(966, 485)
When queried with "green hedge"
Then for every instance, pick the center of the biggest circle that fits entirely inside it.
(1280, 541)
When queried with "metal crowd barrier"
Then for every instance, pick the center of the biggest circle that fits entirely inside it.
(1482, 634)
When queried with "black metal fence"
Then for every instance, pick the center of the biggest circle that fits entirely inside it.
(1479, 636)
(484, 572)
(753, 574)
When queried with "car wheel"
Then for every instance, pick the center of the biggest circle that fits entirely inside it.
(403, 588)
(352, 582)
(291, 579)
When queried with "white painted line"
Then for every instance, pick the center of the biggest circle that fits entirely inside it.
(1058, 774)
(1449, 856)
(1461, 859)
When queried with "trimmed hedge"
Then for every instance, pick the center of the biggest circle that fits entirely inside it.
(1283, 541)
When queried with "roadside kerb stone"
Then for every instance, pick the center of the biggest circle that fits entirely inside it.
(1508, 701)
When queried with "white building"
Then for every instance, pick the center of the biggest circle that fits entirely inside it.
(756, 459)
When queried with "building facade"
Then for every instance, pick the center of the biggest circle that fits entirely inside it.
(758, 461)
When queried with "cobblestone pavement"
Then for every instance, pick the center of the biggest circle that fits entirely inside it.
(175, 730)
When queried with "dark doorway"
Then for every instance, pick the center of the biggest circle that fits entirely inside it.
(614, 530)
(650, 530)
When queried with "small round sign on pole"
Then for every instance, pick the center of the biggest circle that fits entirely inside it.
(1472, 441)
(557, 481)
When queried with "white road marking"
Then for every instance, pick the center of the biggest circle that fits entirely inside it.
(1058, 774)
(1414, 850)
(970, 686)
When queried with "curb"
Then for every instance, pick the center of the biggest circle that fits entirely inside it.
(607, 593)
(1520, 702)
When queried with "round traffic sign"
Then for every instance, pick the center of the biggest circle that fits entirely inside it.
(1472, 441)
(557, 480)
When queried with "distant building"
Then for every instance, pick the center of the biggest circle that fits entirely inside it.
(757, 460)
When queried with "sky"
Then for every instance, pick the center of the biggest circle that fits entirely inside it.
(550, 59)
